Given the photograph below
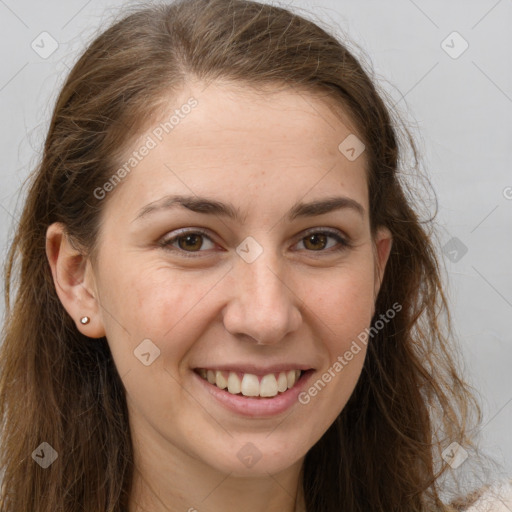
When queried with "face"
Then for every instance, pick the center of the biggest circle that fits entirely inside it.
(264, 271)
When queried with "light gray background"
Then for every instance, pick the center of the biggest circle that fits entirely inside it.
(460, 108)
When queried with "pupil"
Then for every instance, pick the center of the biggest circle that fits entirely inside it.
(316, 238)
(184, 242)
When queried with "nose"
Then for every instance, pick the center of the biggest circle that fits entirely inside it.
(262, 304)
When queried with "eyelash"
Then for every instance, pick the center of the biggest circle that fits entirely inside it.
(166, 243)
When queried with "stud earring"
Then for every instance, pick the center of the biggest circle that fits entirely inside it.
(85, 320)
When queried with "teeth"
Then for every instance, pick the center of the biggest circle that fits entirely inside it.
(290, 377)
(234, 384)
(250, 385)
(221, 382)
(268, 386)
(282, 382)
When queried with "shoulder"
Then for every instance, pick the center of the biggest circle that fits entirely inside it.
(496, 498)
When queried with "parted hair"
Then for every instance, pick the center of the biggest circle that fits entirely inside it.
(382, 453)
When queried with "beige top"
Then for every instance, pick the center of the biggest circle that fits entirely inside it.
(498, 498)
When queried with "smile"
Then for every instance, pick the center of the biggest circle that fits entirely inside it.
(250, 385)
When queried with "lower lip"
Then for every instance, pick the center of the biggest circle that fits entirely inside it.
(257, 407)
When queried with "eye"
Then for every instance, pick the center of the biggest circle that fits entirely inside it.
(188, 242)
(195, 241)
(318, 241)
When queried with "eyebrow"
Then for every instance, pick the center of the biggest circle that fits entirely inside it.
(213, 207)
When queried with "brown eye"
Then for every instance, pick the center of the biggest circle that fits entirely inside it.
(315, 242)
(188, 242)
(319, 241)
(191, 242)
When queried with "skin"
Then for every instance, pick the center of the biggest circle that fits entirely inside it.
(262, 154)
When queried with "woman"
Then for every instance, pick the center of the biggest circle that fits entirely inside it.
(225, 297)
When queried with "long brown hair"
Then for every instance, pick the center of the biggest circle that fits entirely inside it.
(57, 386)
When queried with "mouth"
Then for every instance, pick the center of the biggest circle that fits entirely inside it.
(264, 386)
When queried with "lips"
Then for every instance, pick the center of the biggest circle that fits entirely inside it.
(266, 385)
(259, 381)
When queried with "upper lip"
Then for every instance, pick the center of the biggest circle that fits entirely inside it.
(256, 369)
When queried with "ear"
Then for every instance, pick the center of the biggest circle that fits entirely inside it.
(383, 243)
(74, 282)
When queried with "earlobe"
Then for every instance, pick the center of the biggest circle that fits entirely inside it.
(70, 271)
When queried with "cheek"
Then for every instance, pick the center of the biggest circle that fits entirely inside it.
(166, 305)
(343, 300)
(342, 304)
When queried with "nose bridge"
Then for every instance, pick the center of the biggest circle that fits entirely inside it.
(265, 285)
(263, 306)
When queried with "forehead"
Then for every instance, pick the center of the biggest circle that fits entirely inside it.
(224, 137)
(278, 118)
